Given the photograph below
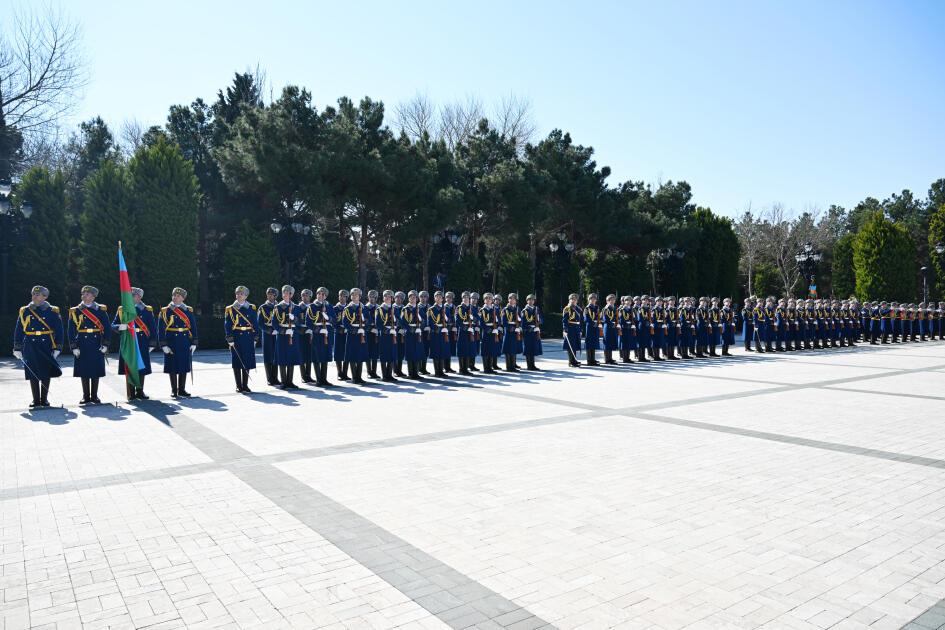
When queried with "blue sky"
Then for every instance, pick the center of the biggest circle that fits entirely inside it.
(803, 103)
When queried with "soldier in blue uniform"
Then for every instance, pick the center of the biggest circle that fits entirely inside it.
(489, 319)
(177, 334)
(500, 322)
(439, 326)
(628, 329)
(399, 298)
(305, 337)
(474, 309)
(642, 315)
(780, 324)
(319, 319)
(449, 311)
(373, 337)
(685, 326)
(385, 321)
(715, 327)
(356, 347)
(727, 319)
(241, 332)
(89, 333)
(514, 333)
(288, 322)
(572, 321)
(146, 337)
(422, 305)
(671, 322)
(37, 339)
(531, 332)
(703, 328)
(268, 332)
(658, 317)
(759, 324)
(341, 338)
(747, 325)
(593, 329)
(612, 333)
(465, 334)
(412, 325)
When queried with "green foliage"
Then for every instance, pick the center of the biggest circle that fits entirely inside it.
(331, 264)
(937, 237)
(465, 275)
(43, 258)
(614, 272)
(165, 196)
(843, 272)
(106, 219)
(515, 273)
(716, 255)
(884, 258)
(250, 259)
(767, 280)
(552, 297)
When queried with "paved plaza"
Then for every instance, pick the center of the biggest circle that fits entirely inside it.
(798, 491)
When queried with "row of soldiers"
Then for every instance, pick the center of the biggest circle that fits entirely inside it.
(409, 328)
(788, 324)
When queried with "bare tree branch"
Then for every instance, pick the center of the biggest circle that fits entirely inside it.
(459, 120)
(416, 117)
(513, 119)
(131, 135)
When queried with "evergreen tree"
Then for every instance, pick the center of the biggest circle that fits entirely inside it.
(767, 281)
(717, 254)
(465, 275)
(43, 258)
(843, 272)
(937, 237)
(106, 220)
(515, 274)
(251, 260)
(884, 261)
(164, 208)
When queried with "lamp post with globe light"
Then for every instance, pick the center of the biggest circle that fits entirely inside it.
(293, 233)
(807, 260)
(561, 249)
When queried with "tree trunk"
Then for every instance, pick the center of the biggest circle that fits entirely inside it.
(362, 258)
(533, 257)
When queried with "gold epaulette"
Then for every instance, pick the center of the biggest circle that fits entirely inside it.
(149, 309)
(23, 308)
(54, 308)
(103, 307)
(252, 306)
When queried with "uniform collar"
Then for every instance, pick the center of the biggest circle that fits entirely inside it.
(41, 307)
(182, 306)
(92, 305)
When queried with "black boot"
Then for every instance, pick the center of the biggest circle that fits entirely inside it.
(462, 366)
(86, 388)
(515, 367)
(591, 359)
(245, 379)
(399, 370)
(609, 358)
(530, 363)
(181, 383)
(372, 368)
(44, 392)
(725, 352)
(238, 376)
(37, 398)
(357, 369)
(447, 365)
(287, 382)
(471, 364)
(306, 371)
(173, 385)
(139, 392)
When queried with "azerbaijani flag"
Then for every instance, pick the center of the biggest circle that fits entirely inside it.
(129, 352)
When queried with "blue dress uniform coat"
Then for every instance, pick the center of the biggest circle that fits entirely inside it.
(685, 326)
(450, 312)
(592, 327)
(780, 324)
(531, 323)
(146, 333)
(239, 328)
(659, 327)
(439, 332)
(671, 317)
(413, 332)
(356, 344)
(474, 309)
(703, 326)
(288, 347)
(305, 339)
(422, 313)
(727, 324)
(644, 326)
(770, 329)
(373, 333)
(177, 329)
(490, 319)
(760, 324)
(340, 337)
(266, 325)
(318, 319)
(612, 331)
(37, 334)
(401, 333)
(512, 319)
(466, 331)
(88, 331)
(385, 321)
(572, 321)
(628, 328)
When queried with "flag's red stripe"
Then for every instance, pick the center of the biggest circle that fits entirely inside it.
(125, 282)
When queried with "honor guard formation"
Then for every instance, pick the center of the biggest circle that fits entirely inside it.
(360, 336)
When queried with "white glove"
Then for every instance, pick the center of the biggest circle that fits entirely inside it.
(324, 331)
(419, 332)
(309, 332)
(477, 329)
(454, 329)
(289, 332)
(537, 330)
(76, 352)
(393, 332)
(275, 332)
(166, 350)
(104, 349)
(291, 316)
(360, 331)
(374, 331)
(55, 354)
(19, 355)
(230, 343)
(192, 348)
(122, 326)
(426, 328)
(518, 330)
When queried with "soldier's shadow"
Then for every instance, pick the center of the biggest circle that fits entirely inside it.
(323, 394)
(108, 411)
(202, 403)
(266, 397)
(50, 415)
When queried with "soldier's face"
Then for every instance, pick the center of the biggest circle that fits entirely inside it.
(37, 299)
(271, 297)
(88, 298)
(398, 300)
(136, 298)
(306, 299)
(387, 300)
(286, 296)
(343, 298)
(572, 302)
(413, 300)
(320, 296)
(356, 298)
(177, 299)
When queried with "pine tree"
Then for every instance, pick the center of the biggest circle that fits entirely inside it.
(43, 258)
(937, 237)
(251, 260)
(884, 261)
(164, 203)
(843, 273)
(106, 219)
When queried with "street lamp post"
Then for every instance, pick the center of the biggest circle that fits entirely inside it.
(561, 250)
(807, 262)
(450, 240)
(925, 278)
(12, 233)
(293, 236)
